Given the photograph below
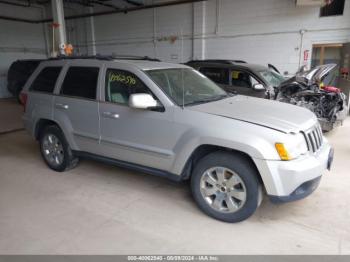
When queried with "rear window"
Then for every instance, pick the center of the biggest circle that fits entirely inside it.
(23, 67)
(80, 82)
(46, 80)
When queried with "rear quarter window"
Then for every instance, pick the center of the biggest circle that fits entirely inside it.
(46, 80)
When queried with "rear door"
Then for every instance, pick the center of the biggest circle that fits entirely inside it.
(41, 86)
(76, 105)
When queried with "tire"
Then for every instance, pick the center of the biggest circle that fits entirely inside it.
(61, 157)
(238, 194)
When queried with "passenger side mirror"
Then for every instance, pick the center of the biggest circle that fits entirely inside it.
(142, 101)
(258, 87)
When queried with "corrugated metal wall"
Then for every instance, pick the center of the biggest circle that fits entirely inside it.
(19, 40)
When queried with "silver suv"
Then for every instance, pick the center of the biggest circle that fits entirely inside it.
(170, 120)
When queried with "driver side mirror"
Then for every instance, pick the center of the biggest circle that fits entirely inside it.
(258, 87)
(142, 101)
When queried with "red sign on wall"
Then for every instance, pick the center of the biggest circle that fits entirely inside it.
(306, 55)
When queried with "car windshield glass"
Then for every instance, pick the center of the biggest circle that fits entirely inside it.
(272, 78)
(186, 86)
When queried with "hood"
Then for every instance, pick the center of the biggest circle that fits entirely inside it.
(316, 74)
(271, 114)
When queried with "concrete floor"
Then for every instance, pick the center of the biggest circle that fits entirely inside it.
(100, 209)
(10, 115)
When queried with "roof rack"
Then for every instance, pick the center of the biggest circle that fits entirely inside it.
(219, 61)
(107, 57)
(133, 57)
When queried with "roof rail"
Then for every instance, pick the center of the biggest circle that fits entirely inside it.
(219, 61)
(134, 57)
(239, 61)
(107, 57)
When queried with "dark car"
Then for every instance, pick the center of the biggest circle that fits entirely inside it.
(237, 76)
(305, 89)
(18, 74)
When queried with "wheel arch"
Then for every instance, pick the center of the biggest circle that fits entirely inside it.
(41, 124)
(205, 149)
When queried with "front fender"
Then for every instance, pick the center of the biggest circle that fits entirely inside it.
(254, 141)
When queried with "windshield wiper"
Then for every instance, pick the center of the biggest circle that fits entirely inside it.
(207, 100)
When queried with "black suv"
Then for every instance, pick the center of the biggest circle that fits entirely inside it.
(237, 76)
(18, 74)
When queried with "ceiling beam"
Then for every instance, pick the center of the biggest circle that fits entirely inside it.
(121, 10)
(133, 2)
(15, 3)
(18, 19)
(104, 4)
(130, 9)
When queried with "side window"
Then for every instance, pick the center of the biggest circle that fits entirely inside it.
(253, 81)
(218, 75)
(80, 82)
(46, 80)
(121, 84)
(241, 79)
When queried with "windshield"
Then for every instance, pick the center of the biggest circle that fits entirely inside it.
(272, 78)
(186, 86)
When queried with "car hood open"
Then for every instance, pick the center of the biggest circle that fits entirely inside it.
(316, 74)
(271, 114)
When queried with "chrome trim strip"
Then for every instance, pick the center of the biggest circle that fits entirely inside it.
(314, 138)
(86, 136)
(142, 149)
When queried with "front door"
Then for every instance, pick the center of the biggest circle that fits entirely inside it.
(137, 136)
(243, 83)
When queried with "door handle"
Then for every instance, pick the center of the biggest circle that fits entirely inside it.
(61, 106)
(110, 115)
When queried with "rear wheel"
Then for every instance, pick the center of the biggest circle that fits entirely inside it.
(225, 186)
(55, 150)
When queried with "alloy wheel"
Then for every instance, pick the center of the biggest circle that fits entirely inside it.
(223, 189)
(53, 150)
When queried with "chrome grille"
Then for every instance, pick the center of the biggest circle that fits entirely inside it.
(314, 138)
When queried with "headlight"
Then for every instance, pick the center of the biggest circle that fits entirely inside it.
(293, 147)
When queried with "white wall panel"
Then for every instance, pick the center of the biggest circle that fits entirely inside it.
(134, 33)
(19, 40)
(267, 31)
(259, 31)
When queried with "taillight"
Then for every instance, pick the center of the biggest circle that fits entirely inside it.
(23, 97)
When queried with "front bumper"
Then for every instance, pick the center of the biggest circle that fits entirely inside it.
(302, 191)
(327, 125)
(295, 179)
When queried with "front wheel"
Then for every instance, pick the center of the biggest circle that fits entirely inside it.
(226, 187)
